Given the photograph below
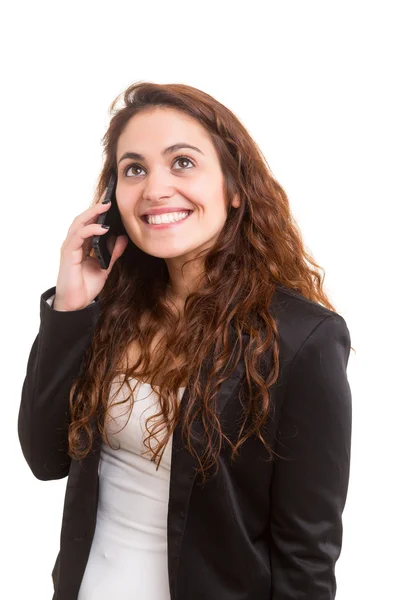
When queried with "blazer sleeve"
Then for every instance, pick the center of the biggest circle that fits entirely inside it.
(309, 487)
(55, 361)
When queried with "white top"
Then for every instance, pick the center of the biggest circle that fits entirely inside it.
(128, 557)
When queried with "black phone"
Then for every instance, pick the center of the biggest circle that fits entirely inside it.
(112, 218)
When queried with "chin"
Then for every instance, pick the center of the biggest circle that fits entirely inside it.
(167, 255)
(170, 250)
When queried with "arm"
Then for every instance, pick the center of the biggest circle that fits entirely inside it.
(50, 301)
(309, 490)
(55, 360)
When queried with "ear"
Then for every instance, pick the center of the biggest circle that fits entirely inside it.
(236, 201)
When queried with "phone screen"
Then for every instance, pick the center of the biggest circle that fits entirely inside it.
(111, 217)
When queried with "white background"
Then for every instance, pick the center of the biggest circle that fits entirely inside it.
(315, 83)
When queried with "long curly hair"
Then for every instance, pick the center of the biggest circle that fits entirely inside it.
(259, 246)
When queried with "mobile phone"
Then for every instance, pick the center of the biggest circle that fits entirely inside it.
(112, 218)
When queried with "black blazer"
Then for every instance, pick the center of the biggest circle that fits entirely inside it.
(259, 530)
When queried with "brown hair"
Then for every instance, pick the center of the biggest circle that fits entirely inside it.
(260, 245)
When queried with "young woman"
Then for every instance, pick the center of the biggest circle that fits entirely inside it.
(195, 392)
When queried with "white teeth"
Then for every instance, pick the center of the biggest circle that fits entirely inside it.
(166, 218)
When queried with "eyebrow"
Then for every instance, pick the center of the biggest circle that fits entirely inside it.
(168, 150)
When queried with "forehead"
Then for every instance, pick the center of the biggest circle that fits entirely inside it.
(154, 129)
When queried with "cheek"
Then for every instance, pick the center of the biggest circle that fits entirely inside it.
(127, 208)
(214, 208)
(211, 221)
(203, 191)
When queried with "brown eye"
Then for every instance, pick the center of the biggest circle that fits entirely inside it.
(132, 167)
(183, 158)
(178, 158)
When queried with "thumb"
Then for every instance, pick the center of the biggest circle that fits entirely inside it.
(117, 247)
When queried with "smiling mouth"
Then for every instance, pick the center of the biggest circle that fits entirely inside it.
(144, 219)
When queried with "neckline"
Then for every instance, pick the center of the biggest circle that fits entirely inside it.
(148, 384)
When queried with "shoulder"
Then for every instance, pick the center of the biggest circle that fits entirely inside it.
(298, 317)
(288, 300)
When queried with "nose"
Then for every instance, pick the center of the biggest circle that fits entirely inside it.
(158, 184)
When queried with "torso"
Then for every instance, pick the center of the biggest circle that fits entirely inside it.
(133, 353)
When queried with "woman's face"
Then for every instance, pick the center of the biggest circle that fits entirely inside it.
(160, 179)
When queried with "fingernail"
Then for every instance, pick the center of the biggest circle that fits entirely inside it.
(106, 201)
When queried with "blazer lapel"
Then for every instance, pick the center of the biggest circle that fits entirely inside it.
(183, 464)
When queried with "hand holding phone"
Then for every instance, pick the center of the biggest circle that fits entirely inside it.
(112, 220)
(82, 277)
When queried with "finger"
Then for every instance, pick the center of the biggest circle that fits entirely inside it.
(118, 249)
(111, 243)
(89, 216)
(76, 239)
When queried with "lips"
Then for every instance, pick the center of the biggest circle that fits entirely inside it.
(143, 217)
(163, 211)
